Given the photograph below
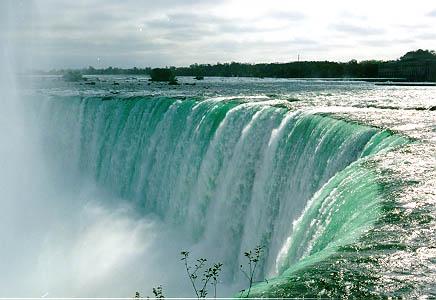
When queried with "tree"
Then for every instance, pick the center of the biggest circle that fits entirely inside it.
(160, 74)
(419, 55)
(209, 275)
(158, 292)
(253, 257)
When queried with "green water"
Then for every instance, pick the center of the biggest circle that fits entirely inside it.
(231, 174)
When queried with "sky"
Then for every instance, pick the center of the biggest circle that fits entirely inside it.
(127, 33)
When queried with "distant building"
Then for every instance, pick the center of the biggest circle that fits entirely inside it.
(418, 65)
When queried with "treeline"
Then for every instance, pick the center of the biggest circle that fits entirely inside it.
(409, 66)
(106, 71)
(305, 69)
(419, 65)
(311, 69)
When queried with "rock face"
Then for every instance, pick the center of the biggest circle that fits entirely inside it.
(160, 74)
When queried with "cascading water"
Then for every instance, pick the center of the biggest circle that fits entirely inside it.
(99, 194)
(228, 174)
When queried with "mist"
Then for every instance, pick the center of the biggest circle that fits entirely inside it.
(98, 198)
(59, 237)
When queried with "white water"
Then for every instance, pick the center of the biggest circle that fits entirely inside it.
(56, 238)
(75, 229)
(221, 191)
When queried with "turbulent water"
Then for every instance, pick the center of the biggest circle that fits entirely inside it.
(339, 193)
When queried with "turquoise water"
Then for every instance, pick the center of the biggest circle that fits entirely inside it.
(229, 173)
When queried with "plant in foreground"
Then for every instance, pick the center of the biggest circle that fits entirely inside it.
(249, 272)
(208, 275)
(158, 292)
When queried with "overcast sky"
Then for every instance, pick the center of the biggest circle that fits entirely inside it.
(130, 33)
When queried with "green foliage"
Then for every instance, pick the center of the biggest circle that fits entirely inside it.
(160, 74)
(158, 292)
(209, 275)
(249, 271)
(203, 277)
(419, 55)
(304, 69)
(298, 69)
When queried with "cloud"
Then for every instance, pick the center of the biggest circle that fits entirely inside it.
(427, 36)
(356, 29)
(349, 15)
(129, 32)
(291, 16)
(432, 13)
(378, 42)
(418, 26)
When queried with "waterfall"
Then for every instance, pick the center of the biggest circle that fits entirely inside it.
(229, 174)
